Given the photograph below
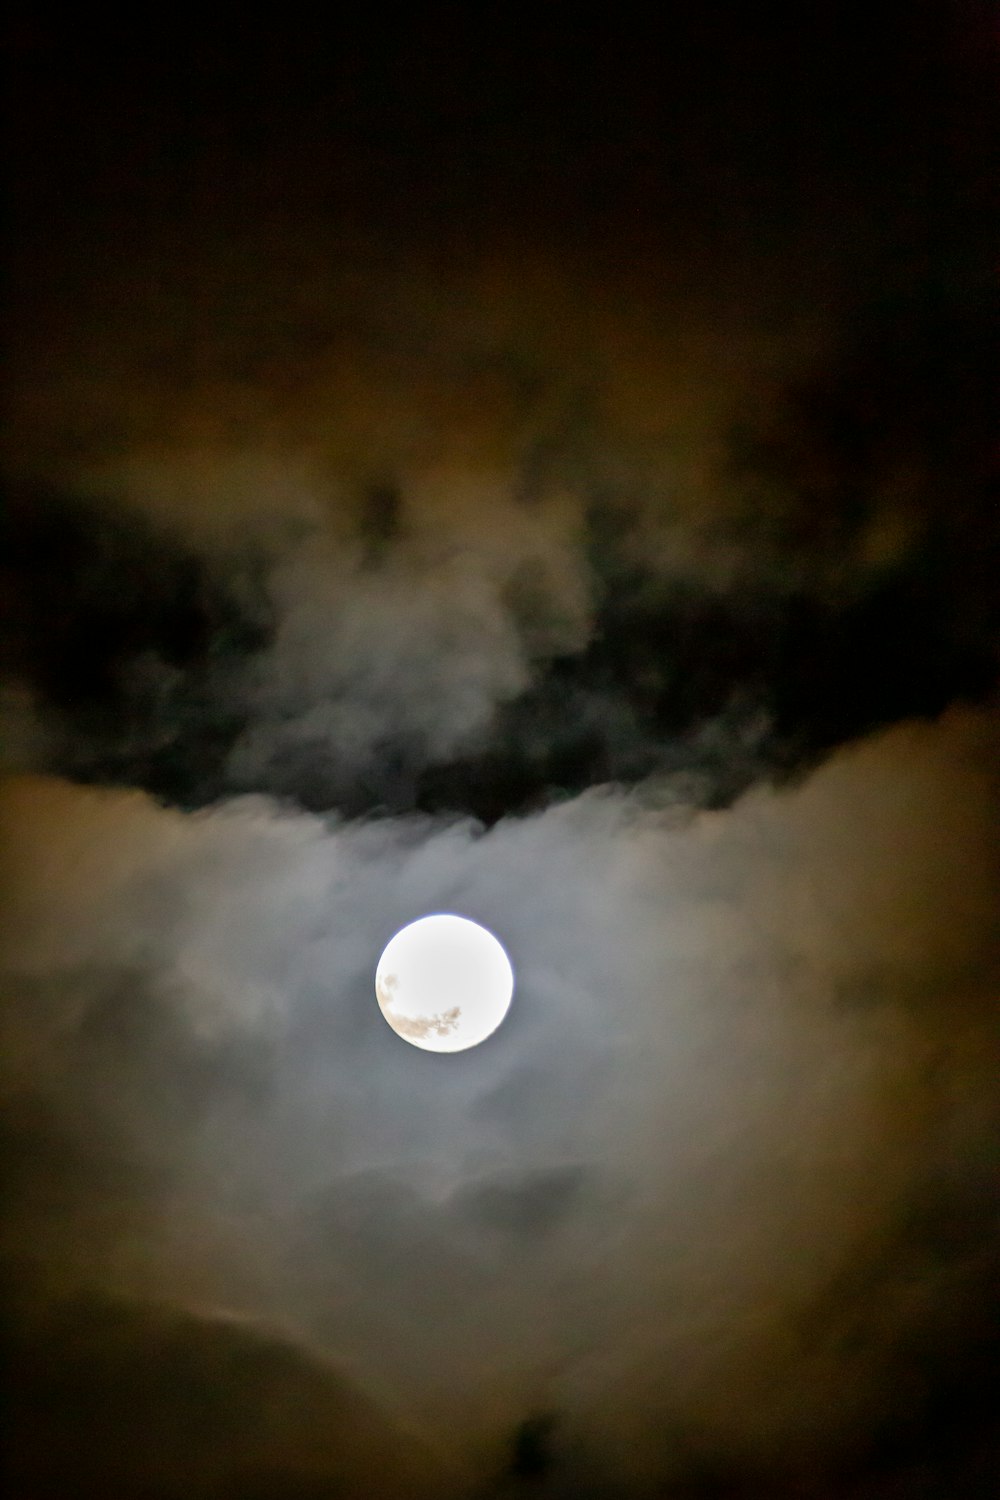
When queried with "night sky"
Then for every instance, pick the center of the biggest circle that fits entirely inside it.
(544, 470)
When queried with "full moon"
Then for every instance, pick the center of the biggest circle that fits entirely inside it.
(444, 983)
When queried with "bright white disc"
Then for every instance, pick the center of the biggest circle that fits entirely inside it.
(444, 983)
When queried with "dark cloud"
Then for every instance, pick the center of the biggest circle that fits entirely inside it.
(519, 457)
(127, 638)
(359, 673)
(112, 1396)
(525, 1205)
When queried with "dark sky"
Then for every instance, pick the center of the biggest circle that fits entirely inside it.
(544, 471)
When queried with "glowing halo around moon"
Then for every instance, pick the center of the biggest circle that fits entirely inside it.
(444, 983)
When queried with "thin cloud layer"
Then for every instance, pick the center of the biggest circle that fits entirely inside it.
(718, 1188)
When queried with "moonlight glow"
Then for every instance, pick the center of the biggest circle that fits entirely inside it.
(444, 983)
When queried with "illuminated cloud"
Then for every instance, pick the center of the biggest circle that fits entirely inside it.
(744, 1098)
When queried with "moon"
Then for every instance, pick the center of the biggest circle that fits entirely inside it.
(444, 983)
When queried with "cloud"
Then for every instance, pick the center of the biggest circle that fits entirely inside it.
(417, 499)
(110, 1394)
(717, 1187)
(499, 540)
